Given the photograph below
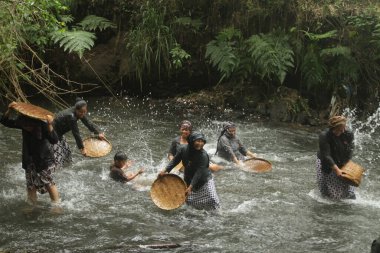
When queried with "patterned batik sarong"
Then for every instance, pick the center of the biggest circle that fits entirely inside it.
(205, 197)
(39, 180)
(330, 185)
(62, 153)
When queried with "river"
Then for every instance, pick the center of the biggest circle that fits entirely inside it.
(279, 211)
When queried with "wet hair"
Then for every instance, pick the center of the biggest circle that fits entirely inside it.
(196, 136)
(120, 156)
(337, 121)
(186, 124)
(80, 103)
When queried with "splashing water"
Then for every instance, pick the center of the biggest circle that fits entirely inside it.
(280, 211)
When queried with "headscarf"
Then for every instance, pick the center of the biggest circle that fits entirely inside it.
(186, 124)
(80, 103)
(196, 136)
(226, 126)
(337, 121)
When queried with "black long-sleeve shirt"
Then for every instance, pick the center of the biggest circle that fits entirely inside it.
(175, 146)
(335, 150)
(66, 121)
(231, 146)
(196, 163)
(36, 146)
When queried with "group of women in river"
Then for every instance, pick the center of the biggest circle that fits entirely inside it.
(44, 148)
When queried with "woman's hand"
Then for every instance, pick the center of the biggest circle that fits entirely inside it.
(49, 119)
(140, 171)
(12, 104)
(338, 171)
(251, 154)
(162, 173)
(83, 151)
(188, 190)
(101, 136)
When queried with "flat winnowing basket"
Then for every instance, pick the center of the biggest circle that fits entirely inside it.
(96, 147)
(352, 173)
(32, 111)
(168, 192)
(257, 165)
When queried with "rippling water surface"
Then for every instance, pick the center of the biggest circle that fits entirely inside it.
(280, 211)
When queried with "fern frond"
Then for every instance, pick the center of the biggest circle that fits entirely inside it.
(229, 34)
(312, 69)
(223, 57)
(271, 56)
(317, 37)
(92, 22)
(336, 51)
(74, 41)
(187, 21)
(66, 18)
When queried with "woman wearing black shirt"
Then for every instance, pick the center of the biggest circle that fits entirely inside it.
(201, 192)
(67, 120)
(336, 145)
(37, 154)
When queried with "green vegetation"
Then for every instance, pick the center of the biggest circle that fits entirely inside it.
(319, 48)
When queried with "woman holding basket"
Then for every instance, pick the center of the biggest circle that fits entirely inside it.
(336, 146)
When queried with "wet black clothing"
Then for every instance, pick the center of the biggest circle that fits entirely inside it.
(335, 149)
(118, 174)
(175, 146)
(229, 146)
(196, 163)
(36, 142)
(66, 120)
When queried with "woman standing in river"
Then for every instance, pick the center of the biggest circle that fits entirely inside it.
(336, 146)
(229, 146)
(37, 154)
(67, 120)
(200, 192)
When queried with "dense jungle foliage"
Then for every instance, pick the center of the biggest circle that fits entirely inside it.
(243, 49)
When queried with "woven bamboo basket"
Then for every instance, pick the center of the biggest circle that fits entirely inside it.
(32, 111)
(352, 173)
(168, 192)
(96, 147)
(257, 165)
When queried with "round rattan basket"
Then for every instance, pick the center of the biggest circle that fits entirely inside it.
(32, 111)
(168, 192)
(96, 147)
(257, 165)
(352, 173)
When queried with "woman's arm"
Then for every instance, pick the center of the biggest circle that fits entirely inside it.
(129, 178)
(176, 160)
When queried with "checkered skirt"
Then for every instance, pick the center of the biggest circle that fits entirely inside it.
(205, 197)
(39, 180)
(62, 153)
(330, 185)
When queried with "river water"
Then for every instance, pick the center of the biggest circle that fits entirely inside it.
(279, 211)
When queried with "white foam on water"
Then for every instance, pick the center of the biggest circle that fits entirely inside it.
(314, 194)
(366, 201)
(10, 194)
